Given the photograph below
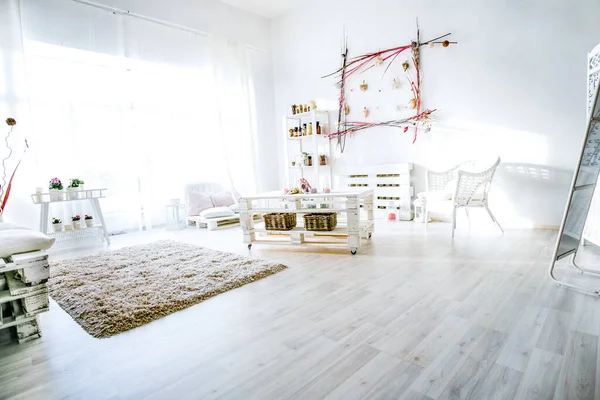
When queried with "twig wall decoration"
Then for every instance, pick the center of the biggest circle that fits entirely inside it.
(365, 62)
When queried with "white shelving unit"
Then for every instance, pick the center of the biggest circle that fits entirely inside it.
(319, 176)
(91, 195)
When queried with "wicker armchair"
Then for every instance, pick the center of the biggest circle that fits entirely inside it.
(471, 190)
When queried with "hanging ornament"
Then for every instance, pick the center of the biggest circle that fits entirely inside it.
(379, 61)
(405, 65)
(364, 86)
(396, 84)
(366, 112)
(445, 43)
(413, 103)
(346, 109)
(431, 45)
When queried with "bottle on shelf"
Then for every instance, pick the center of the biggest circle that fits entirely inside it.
(304, 130)
(318, 128)
(310, 128)
(291, 132)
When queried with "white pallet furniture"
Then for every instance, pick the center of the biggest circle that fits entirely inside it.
(319, 176)
(91, 195)
(389, 182)
(352, 229)
(23, 293)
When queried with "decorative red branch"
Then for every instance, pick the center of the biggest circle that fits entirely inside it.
(350, 127)
(360, 64)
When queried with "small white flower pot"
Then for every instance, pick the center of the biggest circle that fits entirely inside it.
(57, 227)
(77, 224)
(72, 193)
(56, 194)
(89, 223)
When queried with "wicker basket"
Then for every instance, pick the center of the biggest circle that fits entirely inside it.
(280, 221)
(320, 222)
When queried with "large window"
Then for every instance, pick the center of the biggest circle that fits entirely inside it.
(136, 107)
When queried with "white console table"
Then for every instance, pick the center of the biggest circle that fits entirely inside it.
(91, 195)
(349, 203)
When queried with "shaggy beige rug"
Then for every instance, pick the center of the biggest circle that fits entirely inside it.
(115, 291)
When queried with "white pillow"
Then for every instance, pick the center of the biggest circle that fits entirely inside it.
(223, 199)
(217, 212)
(198, 202)
(15, 241)
(5, 225)
(450, 188)
(235, 208)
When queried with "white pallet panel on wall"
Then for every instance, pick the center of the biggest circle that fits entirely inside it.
(391, 182)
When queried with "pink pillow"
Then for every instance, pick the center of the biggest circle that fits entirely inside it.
(223, 199)
(198, 202)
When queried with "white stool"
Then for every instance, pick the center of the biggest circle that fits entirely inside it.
(175, 214)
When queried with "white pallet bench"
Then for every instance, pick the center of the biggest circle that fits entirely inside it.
(24, 293)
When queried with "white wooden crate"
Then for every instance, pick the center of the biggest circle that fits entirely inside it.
(391, 182)
(29, 330)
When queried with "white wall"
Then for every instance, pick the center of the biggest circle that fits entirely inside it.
(515, 86)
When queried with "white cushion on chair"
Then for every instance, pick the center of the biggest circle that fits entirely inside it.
(15, 241)
(437, 195)
(217, 212)
(198, 202)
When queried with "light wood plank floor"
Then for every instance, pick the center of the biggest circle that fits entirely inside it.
(414, 315)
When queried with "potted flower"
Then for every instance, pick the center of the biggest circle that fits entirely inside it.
(57, 224)
(55, 187)
(76, 221)
(76, 186)
(89, 221)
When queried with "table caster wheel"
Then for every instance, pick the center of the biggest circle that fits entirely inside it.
(249, 247)
(370, 234)
(353, 250)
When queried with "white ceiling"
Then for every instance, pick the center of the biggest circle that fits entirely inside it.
(266, 8)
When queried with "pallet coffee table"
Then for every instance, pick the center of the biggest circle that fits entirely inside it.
(354, 226)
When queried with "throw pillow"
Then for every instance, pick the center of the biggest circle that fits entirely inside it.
(450, 188)
(217, 212)
(6, 225)
(15, 241)
(198, 202)
(223, 199)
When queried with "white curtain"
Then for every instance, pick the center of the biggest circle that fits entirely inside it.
(237, 112)
(137, 107)
(14, 103)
